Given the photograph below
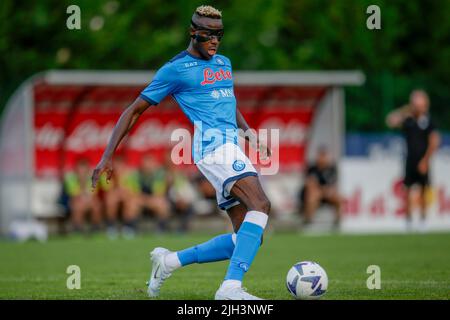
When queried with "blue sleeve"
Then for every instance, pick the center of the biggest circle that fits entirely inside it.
(164, 83)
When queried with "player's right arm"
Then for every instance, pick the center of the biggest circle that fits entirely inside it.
(396, 117)
(164, 83)
(126, 121)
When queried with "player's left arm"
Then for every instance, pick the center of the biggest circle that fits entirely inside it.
(251, 137)
(434, 141)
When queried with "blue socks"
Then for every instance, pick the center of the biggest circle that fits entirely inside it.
(216, 249)
(241, 252)
(248, 241)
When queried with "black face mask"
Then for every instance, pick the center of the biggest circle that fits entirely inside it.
(207, 34)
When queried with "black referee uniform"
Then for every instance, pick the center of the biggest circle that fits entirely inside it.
(416, 133)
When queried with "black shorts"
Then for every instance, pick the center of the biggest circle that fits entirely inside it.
(413, 176)
(302, 195)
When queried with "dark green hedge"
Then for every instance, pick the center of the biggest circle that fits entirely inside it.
(411, 49)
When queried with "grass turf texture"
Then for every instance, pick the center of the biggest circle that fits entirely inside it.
(412, 266)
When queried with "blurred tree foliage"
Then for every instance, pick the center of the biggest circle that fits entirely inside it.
(411, 50)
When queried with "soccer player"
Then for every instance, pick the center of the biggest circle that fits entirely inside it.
(422, 140)
(201, 81)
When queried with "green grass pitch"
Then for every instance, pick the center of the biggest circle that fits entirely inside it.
(414, 266)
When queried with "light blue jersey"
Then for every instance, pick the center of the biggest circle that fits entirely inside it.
(204, 91)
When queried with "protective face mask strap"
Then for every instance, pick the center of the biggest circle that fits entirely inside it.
(211, 32)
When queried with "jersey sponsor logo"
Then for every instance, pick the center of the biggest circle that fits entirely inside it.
(224, 93)
(190, 64)
(210, 77)
(215, 94)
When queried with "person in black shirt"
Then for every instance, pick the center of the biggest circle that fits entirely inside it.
(320, 187)
(422, 140)
(153, 191)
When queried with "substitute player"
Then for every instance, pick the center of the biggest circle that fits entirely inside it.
(422, 140)
(201, 81)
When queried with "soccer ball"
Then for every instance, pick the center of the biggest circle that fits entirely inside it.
(307, 280)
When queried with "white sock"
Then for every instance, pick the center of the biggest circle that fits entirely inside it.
(231, 284)
(257, 217)
(172, 262)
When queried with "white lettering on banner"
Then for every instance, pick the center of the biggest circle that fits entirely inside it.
(89, 135)
(291, 133)
(151, 134)
(49, 137)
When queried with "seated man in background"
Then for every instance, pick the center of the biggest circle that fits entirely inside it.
(121, 194)
(320, 187)
(153, 186)
(81, 198)
(180, 193)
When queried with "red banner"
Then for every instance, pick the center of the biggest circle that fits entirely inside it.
(76, 121)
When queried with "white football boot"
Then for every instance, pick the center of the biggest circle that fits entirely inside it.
(234, 293)
(159, 271)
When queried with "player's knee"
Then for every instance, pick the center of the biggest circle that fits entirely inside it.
(267, 206)
(263, 205)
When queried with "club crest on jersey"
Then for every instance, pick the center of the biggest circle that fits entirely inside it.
(238, 165)
(210, 77)
(220, 61)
